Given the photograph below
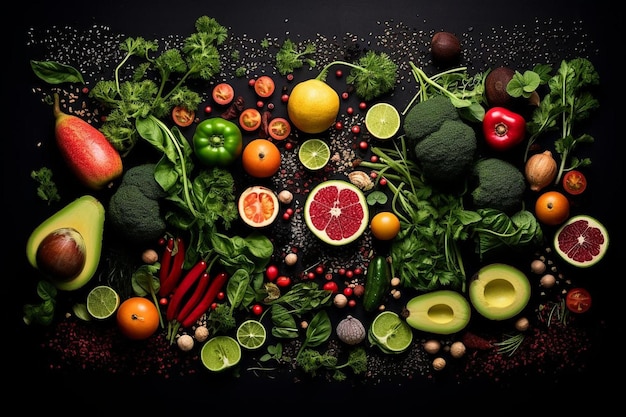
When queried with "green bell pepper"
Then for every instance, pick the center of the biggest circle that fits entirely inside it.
(217, 142)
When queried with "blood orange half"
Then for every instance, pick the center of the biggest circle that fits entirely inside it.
(336, 212)
(258, 206)
(582, 241)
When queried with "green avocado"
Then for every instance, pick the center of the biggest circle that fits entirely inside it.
(499, 291)
(439, 312)
(86, 216)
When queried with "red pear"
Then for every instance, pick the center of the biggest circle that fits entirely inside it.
(88, 153)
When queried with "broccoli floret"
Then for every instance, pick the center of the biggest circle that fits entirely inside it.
(134, 208)
(448, 153)
(427, 116)
(501, 185)
(142, 176)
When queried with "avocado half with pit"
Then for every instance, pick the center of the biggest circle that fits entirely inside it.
(82, 222)
(439, 312)
(499, 291)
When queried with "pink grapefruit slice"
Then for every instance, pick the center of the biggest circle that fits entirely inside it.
(582, 241)
(336, 212)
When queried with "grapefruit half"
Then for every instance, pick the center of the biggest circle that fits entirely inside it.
(336, 212)
(581, 241)
(258, 206)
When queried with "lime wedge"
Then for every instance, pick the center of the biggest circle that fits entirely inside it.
(102, 302)
(382, 120)
(314, 154)
(220, 353)
(391, 333)
(251, 334)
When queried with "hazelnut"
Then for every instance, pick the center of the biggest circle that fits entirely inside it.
(439, 364)
(457, 350)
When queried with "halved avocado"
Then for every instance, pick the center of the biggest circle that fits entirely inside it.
(499, 291)
(440, 312)
(86, 216)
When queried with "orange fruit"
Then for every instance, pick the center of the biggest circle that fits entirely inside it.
(261, 158)
(258, 206)
(137, 318)
(385, 225)
(552, 208)
(313, 106)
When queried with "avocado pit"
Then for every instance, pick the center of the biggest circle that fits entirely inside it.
(61, 254)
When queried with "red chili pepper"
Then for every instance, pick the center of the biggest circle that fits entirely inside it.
(204, 304)
(503, 128)
(176, 271)
(196, 296)
(166, 260)
(185, 286)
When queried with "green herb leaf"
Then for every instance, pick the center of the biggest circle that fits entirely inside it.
(56, 73)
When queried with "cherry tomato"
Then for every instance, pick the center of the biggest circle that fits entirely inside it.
(348, 291)
(355, 129)
(182, 116)
(578, 300)
(279, 128)
(264, 86)
(223, 93)
(257, 309)
(250, 119)
(283, 281)
(271, 272)
(331, 286)
(574, 182)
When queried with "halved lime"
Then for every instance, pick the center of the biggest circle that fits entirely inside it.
(382, 120)
(102, 302)
(314, 154)
(391, 332)
(251, 334)
(220, 353)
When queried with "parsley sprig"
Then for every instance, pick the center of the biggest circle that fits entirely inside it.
(144, 91)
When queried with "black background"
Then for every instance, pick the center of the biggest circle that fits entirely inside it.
(27, 121)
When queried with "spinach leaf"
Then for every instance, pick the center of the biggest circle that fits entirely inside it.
(56, 73)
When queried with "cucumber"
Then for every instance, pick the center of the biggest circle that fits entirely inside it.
(377, 281)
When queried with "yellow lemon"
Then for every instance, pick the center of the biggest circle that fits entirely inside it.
(313, 106)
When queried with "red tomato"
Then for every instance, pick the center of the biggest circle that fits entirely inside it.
(331, 286)
(182, 116)
(223, 93)
(283, 281)
(578, 300)
(279, 128)
(264, 86)
(574, 182)
(250, 119)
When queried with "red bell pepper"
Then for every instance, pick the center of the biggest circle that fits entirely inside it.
(503, 128)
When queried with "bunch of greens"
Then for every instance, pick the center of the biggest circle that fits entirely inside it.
(289, 58)
(569, 101)
(311, 361)
(373, 75)
(465, 91)
(430, 220)
(140, 96)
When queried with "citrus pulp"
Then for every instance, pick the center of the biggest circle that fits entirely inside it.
(336, 212)
(391, 332)
(220, 353)
(102, 301)
(251, 334)
(382, 120)
(258, 206)
(314, 154)
(582, 241)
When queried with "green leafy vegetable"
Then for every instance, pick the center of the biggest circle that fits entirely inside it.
(373, 75)
(141, 97)
(42, 313)
(311, 361)
(290, 58)
(47, 189)
(145, 282)
(569, 101)
(56, 73)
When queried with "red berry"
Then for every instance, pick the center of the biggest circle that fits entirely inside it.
(319, 270)
(382, 181)
(339, 73)
(271, 272)
(260, 104)
(363, 145)
(345, 95)
(338, 125)
(251, 82)
(163, 301)
(362, 105)
(350, 110)
(208, 109)
(355, 129)
(374, 158)
(331, 286)
(348, 291)
(257, 309)
(351, 303)
(284, 98)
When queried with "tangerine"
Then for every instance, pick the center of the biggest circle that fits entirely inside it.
(137, 318)
(313, 106)
(385, 225)
(552, 208)
(261, 158)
